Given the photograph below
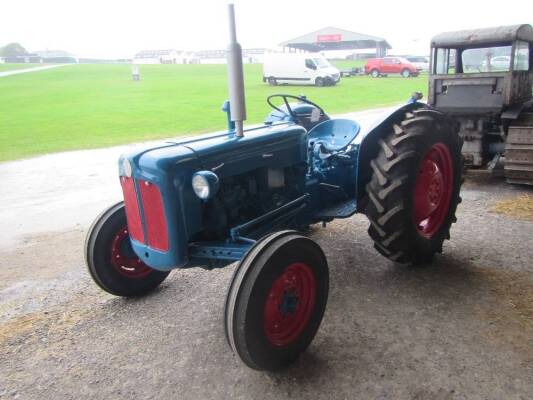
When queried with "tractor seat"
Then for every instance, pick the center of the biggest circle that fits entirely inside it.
(334, 134)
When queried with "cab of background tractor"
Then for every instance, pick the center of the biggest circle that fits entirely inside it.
(481, 71)
(483, 78)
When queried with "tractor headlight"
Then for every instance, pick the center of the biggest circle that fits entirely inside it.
(205, 184)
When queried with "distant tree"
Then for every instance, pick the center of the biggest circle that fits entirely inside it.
(12, 50)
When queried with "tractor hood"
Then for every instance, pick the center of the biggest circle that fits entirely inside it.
(225, 154)
(167, 169)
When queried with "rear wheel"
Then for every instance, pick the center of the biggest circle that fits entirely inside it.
(276, 300)
(272, 81)
(374, 73)
(111, 261)
(406, 73)
(414, 189)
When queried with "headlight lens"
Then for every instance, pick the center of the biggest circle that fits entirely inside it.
(200, 185)
(205, 184)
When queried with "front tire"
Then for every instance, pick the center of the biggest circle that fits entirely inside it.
(414, 190)
(276, 300)
(319, 82)
(406, 73)
(111, 261)
(374, 73)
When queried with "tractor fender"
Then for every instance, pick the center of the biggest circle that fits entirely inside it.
(368, 141)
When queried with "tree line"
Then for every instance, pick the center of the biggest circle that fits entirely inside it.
(13, 50)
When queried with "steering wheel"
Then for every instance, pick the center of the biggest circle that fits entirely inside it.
(289, 109)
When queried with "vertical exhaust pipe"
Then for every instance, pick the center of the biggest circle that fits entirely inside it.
(235, 77)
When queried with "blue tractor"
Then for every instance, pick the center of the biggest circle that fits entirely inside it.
(244, 195)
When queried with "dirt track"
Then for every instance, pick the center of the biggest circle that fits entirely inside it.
(461, 328)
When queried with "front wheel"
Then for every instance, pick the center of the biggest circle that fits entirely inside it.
(110, 258)
(414, 190)
(406, 73)
(320, 82)
(374, 73)
(276, 300)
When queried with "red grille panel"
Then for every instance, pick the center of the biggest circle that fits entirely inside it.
(154, 216)
(133, 214)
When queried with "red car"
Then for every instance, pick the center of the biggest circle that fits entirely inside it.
(390, 65)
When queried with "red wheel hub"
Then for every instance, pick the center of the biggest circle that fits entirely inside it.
(433, 190)
(289, 304)
(124, 259)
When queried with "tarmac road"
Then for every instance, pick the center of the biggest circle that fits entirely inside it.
(461, 328)
(32, 69)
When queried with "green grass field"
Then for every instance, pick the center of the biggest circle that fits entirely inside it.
(88, 106)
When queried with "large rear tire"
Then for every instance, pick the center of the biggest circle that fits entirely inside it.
(111, 261)
(276, 300)
(414, 190)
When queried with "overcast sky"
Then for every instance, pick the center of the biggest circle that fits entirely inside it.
(118, 28)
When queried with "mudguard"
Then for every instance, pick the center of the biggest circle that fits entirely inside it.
(368, 142)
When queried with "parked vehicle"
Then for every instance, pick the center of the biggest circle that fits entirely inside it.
(354, 71)
(242, 196)
(421, 63)
(484, 79)
(500, 63)
(376, 67)
(299, 69)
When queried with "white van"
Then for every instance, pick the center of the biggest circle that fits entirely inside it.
(299, 68)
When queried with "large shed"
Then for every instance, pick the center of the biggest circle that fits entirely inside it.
(331, 38)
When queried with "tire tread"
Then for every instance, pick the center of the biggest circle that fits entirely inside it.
(392, 180)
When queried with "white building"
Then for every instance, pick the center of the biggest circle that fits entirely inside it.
(249, 56)
(53, 56)
(169, 56)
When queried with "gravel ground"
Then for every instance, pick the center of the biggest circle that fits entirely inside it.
(461, 328)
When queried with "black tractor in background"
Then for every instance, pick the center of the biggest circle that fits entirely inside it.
(483, 79)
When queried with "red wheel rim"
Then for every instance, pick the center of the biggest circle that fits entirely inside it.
(433, 190)
(289, 304)
(124, 259)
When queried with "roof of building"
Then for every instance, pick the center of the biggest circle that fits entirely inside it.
(53, 53)
(331, 38)
(221, 53)
(484, 36)
(155, 53)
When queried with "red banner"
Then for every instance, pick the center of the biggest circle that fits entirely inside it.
(334, 37)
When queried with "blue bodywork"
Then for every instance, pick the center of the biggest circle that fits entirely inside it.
(279, 175)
